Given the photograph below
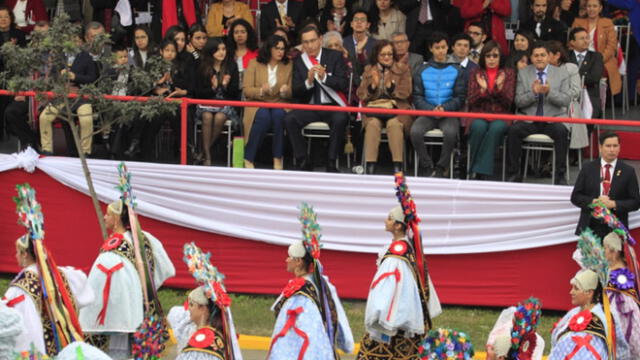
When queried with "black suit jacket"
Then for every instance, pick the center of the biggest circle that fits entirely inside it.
(17, 35)
(551, 29)
(624, 190)
(591, 70)
(337, 78)
(85, 69)
(269, 14)
(446, 18)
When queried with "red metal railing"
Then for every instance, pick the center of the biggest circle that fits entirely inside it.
(185, 102)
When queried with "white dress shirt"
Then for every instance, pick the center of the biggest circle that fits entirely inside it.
(272, 79)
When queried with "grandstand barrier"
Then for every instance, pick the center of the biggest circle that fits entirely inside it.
(186, 102)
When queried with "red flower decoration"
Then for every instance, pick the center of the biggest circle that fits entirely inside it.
(202, 338)
(398, 247)
(527, 345)
(112, 242)
(580, 321)
(222, 299)
(292, 286)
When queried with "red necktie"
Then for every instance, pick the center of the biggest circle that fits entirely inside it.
(606, 183)
(313, 60)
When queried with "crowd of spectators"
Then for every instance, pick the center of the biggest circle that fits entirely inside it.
(433, 55)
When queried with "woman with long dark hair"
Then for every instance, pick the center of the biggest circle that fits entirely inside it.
(386, 20)
(197, 40)
(179, 35)
(335, 17)
(491, 90)
(217, 79)
(522, 41)
(242, 43)
(268, 78)
(143, 47)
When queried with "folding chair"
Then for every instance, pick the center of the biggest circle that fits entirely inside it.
(433, 137)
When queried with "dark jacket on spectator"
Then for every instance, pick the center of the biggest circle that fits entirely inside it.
(350, 46)
(358, 62)
(446, 17)
(203, 88)
(269, 14)
(491, 101)
(550, 29)
(12, 34)
(591, 70)
(439, 84)
(85, 69)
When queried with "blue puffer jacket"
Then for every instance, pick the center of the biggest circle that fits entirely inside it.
(439, 84)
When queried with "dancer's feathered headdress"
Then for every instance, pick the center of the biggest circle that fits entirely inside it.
(56, 299)
(211, 280)
(412, 220)
(310, 230)
(525, 323)
(206, 274)
(311, 236)
(593, 256)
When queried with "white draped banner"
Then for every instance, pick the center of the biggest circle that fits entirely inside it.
(458, 216)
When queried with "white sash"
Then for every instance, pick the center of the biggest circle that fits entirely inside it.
(332, 93)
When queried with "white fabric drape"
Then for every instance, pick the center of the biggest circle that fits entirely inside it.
(458, 216)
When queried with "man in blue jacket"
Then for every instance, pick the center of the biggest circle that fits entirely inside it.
(437, 86)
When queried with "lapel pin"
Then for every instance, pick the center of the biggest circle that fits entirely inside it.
(618, 172)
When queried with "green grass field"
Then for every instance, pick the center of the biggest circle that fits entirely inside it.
(252, 315)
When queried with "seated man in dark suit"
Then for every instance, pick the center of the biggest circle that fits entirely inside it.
(319, 77)
(544, 27)
(609, 180)
(542, 90)
(286, 14)
(590, 64)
